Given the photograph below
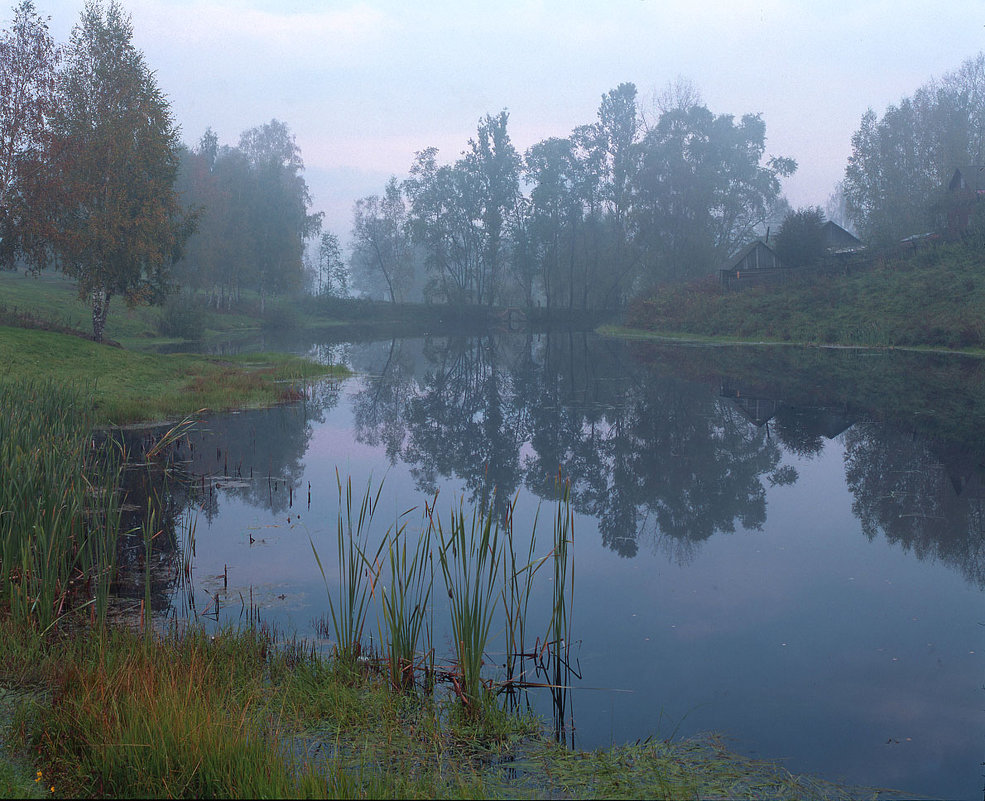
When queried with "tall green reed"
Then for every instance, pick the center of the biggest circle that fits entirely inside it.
(559, 628)
(517, 589)
(405, 601)
(59, 507)
(469, 554)
(358, 573)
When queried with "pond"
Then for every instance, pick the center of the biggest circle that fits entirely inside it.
(784, 546)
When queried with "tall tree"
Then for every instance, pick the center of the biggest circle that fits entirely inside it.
(278, 206)
(28, 59)
(492, 169)
(333, 279)
(895, 178)
(381, 245)
(118, 225)
(800, 240)
(553, 215)
(703, 189)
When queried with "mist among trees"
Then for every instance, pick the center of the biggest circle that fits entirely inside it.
(581, 222)
(95, 181)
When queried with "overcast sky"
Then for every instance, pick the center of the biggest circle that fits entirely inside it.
(365, 85)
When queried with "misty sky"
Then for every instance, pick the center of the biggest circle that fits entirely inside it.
(365, 85)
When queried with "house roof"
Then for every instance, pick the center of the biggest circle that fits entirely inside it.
(837, 238)
(971, 177)
(747, 249)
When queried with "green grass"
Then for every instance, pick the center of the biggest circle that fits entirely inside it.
(929, 299)
(50, 298)
(128, 386)
(59, 509)
(234, 715)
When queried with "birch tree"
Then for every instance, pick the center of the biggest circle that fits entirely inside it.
(117, 223)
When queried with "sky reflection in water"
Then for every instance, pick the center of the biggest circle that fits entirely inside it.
(780, 624)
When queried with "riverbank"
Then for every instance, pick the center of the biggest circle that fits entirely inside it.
(128, 386)
(94, 708)
(929, 299)
(236, 714)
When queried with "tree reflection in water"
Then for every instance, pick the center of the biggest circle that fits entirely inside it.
(654, 456)
(644, 452)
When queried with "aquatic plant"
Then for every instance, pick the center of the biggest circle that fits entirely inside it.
(59, 509)
(517, 588)
(357, 573)
(469, 554)
(405, 601)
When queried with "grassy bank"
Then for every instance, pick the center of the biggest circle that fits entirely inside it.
(932, 298)
(232, 715)
(127, 386)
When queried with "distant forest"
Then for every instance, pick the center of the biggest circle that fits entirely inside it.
(626, 203)
(94, 181)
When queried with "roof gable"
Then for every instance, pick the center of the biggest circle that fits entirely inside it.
(971, 177)
(756, 255)
(837, 238)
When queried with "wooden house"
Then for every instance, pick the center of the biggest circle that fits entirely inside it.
(755, 262)
(757, 255)
(964, 190)
(838, 240)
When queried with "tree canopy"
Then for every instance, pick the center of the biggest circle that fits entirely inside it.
(800, 240)
(116, 225)
(255, 214)
(901, 161)
(608, 210)
(28, 59)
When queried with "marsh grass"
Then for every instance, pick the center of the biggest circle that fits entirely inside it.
(59, 510)
(238, 713)
(469, 553)
(358, 567)
(517, 588)
(406, 605)
(700, 767)
(182, 717)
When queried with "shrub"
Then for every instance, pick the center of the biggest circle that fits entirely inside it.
(181, 318)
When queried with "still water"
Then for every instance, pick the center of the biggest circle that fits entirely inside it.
(781, 546)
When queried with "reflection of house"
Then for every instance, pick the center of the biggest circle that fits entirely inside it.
(756, 410)
(965, 189)
(757, 261)
(825, 421)
(837, 240)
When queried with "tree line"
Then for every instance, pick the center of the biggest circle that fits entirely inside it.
(577, 222)
(896, 179)
(94, 180)
(620, 205)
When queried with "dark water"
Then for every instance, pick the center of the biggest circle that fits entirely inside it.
(782, 546)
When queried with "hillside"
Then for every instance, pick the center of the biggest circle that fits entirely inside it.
(932, 298)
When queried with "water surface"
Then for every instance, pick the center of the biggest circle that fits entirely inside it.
(785, 547)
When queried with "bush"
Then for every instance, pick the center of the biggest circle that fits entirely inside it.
(281, 317)
(181, 318)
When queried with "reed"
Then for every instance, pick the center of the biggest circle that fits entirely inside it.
(405, 602)
(59, 508)
(517, 588)
(469, 554)
(357, 573)
(559, 628)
